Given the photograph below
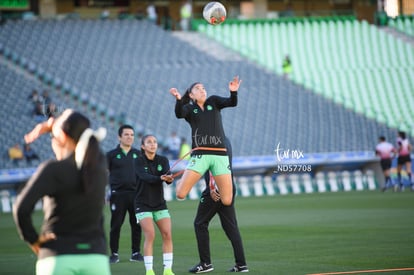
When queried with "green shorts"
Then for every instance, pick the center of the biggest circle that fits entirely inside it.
(72, 264)
(155, 215)
(217, 165)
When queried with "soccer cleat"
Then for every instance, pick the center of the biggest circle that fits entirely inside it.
(201, 268)
(114, 258)
(150, 272)
(239, 268)
(168, 271)
(136, 257)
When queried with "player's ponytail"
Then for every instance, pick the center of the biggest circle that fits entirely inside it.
(88, 156)
(185, 99)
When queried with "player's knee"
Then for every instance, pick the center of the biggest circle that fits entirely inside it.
(149, 237)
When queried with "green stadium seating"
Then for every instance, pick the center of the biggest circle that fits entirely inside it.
(350, 62)
(403, 24)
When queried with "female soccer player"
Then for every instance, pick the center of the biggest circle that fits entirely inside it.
(209, 151)
(150, 204)
(404, 157)
(72, 238)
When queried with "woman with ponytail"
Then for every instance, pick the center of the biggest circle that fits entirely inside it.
(208, 148)
(72, 189)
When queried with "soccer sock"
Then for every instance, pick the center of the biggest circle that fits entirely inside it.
(148, 262)
(387, 181)
(168, 260)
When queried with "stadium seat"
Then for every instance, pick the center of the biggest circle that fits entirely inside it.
(86, 56)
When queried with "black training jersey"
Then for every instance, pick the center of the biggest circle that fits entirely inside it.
(206, 125)
(150, 193)
(75, 217)
(122, 169)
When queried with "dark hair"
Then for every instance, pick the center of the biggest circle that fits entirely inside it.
(186, 97)
(74, 125)
(125, 126)
(382, 138)
(402, 135)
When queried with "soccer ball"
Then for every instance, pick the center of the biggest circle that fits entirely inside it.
(214, 13)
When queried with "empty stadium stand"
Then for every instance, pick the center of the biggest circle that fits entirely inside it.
(350, 81)
(403, 24)
(350, 62)
(128, 66)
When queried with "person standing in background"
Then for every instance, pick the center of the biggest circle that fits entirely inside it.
(287, 67)
(385, 151)
(29, 153)
(185, 148)
(152, 12)
(173, 144)
(186, 11)
(208, 207)
(123, 185)
(404, 158)
(16, 153)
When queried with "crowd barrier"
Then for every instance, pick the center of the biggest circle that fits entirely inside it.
(260, 175)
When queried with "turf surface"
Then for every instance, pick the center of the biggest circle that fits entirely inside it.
(293, 234)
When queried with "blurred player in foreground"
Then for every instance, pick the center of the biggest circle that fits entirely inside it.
(72, 187)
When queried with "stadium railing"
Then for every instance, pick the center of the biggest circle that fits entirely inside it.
(263, 175)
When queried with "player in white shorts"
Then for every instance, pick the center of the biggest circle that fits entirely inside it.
(386, 152)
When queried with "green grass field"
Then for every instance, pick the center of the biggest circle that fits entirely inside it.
(293, 234)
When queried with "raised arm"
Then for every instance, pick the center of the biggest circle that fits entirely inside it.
(38, 130)
(234, 85)
(179, 110)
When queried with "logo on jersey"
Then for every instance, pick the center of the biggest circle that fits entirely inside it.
(134, 156)
(209, 107)
(195, 111)
(192, 162)
(159, 168)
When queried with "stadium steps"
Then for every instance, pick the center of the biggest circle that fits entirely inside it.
(207, 46)
(17, 84)
(403, 24)
(135, 82)
(399, 34)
